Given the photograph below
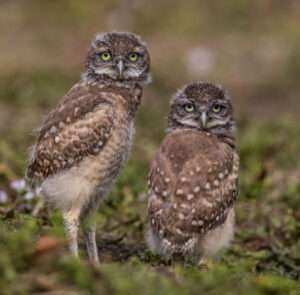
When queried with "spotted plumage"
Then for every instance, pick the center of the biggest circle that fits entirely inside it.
(193, 178)
(80, 126)
(86, 139)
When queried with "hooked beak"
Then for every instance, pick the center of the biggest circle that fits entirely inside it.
(120, 68)
(203, 119)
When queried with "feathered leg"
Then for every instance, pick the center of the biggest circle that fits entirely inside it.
(88, 220)
(71, 221)
(89, 232)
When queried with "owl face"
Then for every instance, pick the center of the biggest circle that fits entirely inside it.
(202, 106)
(119, 57)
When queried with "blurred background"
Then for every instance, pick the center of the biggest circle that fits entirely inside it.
(250, 47)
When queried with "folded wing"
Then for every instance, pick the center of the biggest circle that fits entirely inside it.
(79, 126)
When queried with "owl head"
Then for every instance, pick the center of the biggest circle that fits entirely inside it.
(202, 106)
(118, 57)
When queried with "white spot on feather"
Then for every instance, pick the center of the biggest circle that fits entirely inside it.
(196, 189)
(190, 197)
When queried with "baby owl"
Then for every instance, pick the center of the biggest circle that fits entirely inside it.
(85, 140)
(194, 176)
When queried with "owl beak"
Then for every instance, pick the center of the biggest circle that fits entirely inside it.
(203, 119)
(120, 68)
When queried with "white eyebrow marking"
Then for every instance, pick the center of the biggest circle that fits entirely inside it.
(189, 122)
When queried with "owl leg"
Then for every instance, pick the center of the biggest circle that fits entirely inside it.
(71, 221)
(89, 232)
(88, 217)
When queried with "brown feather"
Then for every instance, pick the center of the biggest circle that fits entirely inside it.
(79, 126)
(201, 188)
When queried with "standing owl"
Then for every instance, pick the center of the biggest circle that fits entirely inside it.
(194, 176)
(85, 140)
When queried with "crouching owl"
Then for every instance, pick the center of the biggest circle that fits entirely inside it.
(194, 175)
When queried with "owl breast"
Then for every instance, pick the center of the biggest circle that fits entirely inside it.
(108, 163)
(94, 175)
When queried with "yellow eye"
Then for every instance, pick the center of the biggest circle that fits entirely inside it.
(217, 108)
(133, 56)
(105, 56)
(188, 108)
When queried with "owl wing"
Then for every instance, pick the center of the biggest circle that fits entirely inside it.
(205, 191)
(79, 126)
(161, 181)
(201, 186)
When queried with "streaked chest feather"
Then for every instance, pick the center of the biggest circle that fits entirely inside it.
(99, 169)
(95, 173)
(106, 164)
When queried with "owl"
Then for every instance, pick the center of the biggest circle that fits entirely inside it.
(83, 143)
(193, 178)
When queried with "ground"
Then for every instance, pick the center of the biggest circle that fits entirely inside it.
(249, 51)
